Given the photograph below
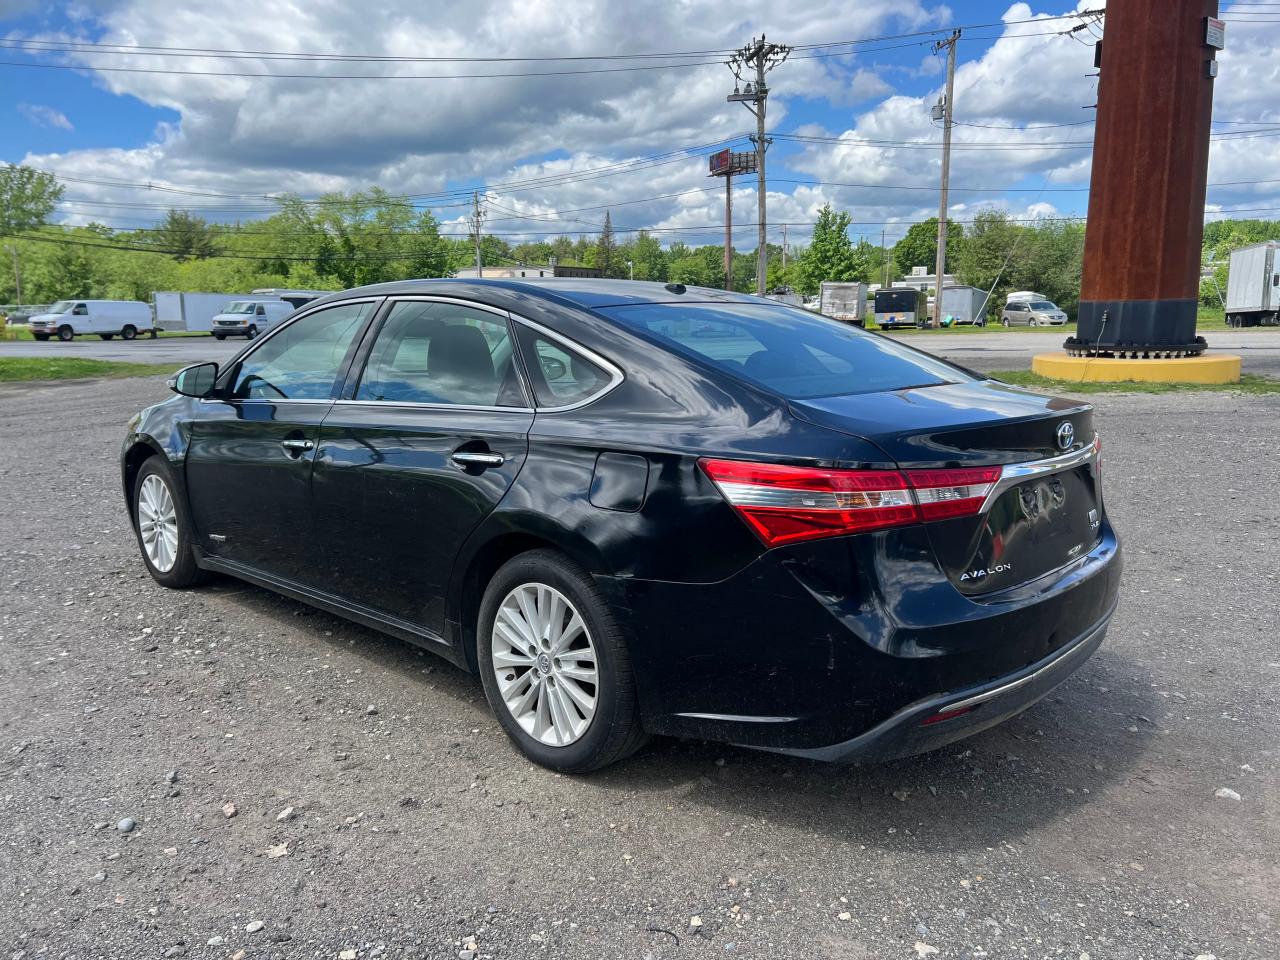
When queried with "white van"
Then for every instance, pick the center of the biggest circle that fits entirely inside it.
(107, 318)
(248, 318)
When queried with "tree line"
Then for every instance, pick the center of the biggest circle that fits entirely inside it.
(345, 240)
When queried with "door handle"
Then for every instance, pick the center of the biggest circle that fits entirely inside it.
(464, 458)
(298, 446)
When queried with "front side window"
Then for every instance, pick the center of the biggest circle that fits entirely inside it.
(442, 353)
(787, 351)
(303, 360)
(81, 310)
(561, 376)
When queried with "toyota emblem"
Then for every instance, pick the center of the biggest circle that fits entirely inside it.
(1066, 435)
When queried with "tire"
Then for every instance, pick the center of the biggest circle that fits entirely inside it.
(106, 336)
(1005, 321)
(251, 332)
(66, 334)
(613, 730)
(177, 567)
(129, 332)
(42, 337)
(219, 336)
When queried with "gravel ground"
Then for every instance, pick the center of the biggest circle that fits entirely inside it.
(379, 810)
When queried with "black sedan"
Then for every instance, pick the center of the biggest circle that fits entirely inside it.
(640, 509)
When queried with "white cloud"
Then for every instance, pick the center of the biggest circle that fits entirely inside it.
(43, 116)
(257, 137)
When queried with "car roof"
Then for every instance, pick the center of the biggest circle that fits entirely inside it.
(583, 292)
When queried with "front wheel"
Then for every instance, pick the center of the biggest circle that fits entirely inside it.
(554, 665)
(42, 337)
(106, 336)
(163, 528)
(252, 332)
(219, 336)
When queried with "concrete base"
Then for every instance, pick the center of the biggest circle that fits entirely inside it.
(1217, 368)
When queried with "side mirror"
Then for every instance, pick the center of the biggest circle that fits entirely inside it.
(196, 380)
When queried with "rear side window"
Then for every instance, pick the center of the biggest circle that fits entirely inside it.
(788, 352)
(561, 376)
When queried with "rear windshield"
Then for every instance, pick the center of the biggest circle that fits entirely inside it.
(788, 351)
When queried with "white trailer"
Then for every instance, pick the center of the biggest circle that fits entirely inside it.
(964, 306)
(846, 302)
(189, 312)
(1253, 286)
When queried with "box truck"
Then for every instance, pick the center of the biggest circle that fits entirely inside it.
(1253, 286)
(844, 301)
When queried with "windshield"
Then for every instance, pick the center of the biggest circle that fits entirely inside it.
(62, 306)
(240, 306)
(1044, 305)
(787, 351)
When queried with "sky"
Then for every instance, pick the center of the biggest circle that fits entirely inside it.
(124, 100)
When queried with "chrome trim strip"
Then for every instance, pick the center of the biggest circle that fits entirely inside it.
(1055, 664)
(404, 404)
(1012, 474)
(737, 718)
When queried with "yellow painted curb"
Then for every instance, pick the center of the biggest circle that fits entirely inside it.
(1216, 368)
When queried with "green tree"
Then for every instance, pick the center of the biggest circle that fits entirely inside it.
(28, 198)
(185, 236)
(830, 254)
(646, 254)
(606, 249)
(919, 248)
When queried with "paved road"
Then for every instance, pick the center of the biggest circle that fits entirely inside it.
(1088, 825)
(997, 350)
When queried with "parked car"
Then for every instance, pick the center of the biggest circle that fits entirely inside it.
(68, 319)
(799, 536)
(1032, 313)
(248, 318)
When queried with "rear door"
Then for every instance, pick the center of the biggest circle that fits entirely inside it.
(429, 434)
(249, 460)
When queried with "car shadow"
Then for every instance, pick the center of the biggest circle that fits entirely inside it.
(1088, 735)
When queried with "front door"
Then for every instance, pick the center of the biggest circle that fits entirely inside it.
(251, 451)
(427, 440)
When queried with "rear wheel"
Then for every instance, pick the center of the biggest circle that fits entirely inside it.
(65, 333)
(129, 332)
(554, 666)
(163, 528)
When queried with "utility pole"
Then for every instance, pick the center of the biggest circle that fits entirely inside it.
(477, 218)
(17, 274)
(728, 229)
(948, 114)
(784, 248)
(884, 262)
(761, 56)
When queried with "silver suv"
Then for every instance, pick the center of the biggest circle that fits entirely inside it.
(1032, 313)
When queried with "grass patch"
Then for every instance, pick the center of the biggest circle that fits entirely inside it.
(19, 369)
(1250, 383)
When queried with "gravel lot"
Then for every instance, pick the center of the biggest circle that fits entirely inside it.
(1087, 826)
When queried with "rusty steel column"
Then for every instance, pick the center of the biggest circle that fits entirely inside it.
(1141, 280)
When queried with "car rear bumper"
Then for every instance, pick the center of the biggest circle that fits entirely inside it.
(842, 648)
(936, 721)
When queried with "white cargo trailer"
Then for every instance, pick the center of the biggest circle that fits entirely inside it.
(964, 306)
(844, 301)
(189, 312)
(1253, 286)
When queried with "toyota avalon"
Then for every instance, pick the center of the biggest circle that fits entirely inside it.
(640, 509)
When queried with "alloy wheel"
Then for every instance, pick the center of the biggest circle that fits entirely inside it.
(158, 523)
(545, 664)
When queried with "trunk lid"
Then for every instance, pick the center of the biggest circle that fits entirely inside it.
(1036, 520)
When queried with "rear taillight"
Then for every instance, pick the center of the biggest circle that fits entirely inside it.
(785, 504)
